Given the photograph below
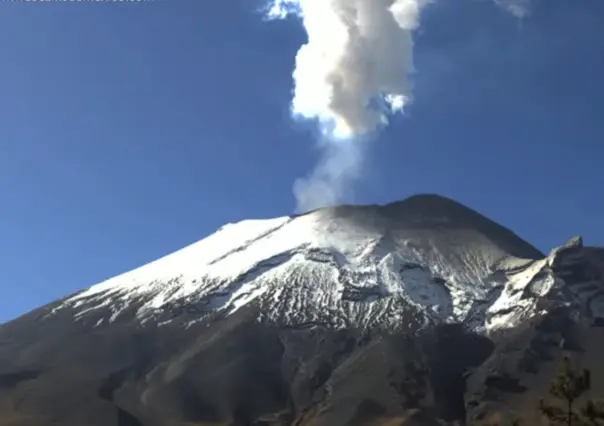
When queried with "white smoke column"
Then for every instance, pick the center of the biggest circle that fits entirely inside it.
(331, 180)
(358, 52)
(350, 75)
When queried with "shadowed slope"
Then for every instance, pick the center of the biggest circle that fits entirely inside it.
(363, 322)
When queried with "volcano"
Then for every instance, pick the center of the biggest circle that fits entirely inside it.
(418, 312)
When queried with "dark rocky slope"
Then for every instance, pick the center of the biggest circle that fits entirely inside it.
(235, 370)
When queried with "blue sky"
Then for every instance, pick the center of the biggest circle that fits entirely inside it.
(129, 130)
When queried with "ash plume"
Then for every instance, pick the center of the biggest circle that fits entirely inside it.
(350, 76)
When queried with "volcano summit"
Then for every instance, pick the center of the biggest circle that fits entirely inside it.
(350, 315)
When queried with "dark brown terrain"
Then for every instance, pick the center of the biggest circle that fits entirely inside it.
(234, 370)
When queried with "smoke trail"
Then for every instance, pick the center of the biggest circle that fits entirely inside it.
(350, 76)
(353, 73)
(330, 181)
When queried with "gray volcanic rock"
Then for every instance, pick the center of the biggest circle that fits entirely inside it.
(418, 312)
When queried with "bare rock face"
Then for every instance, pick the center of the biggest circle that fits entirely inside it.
(421, 312)
(511, 381)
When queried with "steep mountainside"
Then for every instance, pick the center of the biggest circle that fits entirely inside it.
(345, 266)
(415, 312)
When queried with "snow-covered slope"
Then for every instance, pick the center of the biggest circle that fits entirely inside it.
(361, 266)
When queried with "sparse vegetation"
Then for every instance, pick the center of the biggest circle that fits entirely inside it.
(566, 388)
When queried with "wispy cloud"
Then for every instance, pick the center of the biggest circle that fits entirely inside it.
(519, 8)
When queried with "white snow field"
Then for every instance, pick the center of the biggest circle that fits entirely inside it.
(360, 266)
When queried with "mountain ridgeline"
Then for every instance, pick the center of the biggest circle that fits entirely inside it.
(419, 312)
